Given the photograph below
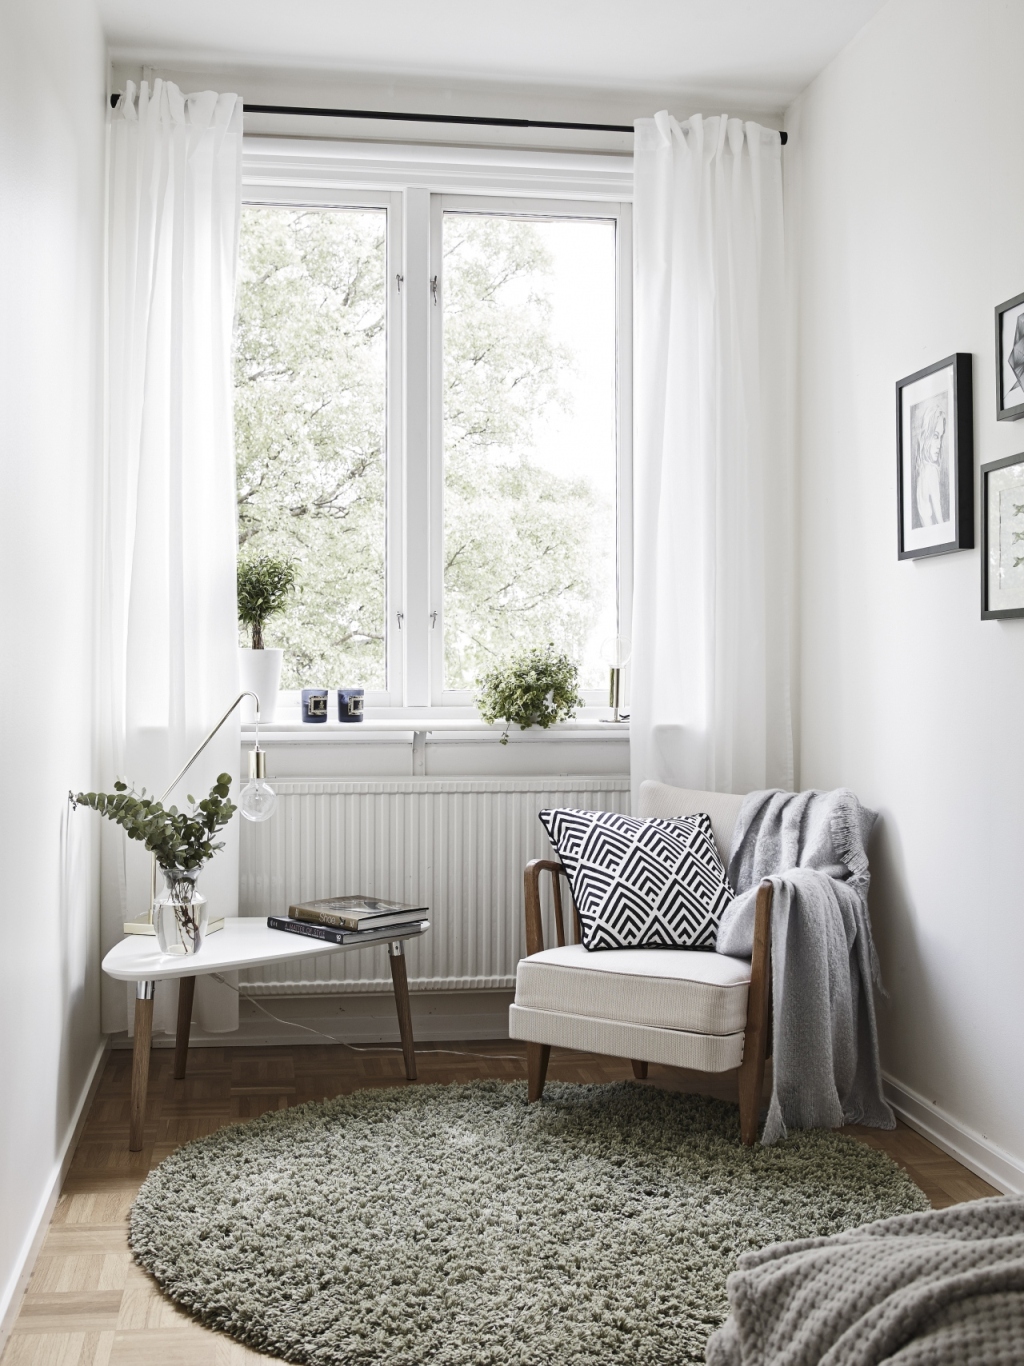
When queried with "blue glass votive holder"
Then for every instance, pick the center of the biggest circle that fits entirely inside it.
(314, 705)
(350, 704)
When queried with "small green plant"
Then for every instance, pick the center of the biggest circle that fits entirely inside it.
(264, 582)
(180, 841)
(535, 688)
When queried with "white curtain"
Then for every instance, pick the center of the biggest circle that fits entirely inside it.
(711, 666)
(170, 659)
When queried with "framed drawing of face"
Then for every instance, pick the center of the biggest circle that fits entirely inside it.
(935, 459)
(1010, 359)
(1002, 538)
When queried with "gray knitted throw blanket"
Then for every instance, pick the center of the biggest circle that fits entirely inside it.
(810, 845)
(943, 1288)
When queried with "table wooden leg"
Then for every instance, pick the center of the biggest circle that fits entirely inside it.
(143, 1031)
(186, 992)
(396, 956)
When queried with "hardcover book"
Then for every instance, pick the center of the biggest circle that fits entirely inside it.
(357, 913)
(332, 935)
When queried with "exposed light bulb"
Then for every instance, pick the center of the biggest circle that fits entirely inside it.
(616, 651)
(257, 799)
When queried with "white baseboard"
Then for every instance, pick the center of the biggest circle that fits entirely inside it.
(17, 1284)
(976, 1152)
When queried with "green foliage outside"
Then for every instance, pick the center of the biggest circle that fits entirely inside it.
(179, 840)
(310, 441)
(310, 432)
(518, 538)
(264, 583)
(534, 688)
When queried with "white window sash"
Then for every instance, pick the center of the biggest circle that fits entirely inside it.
(417, 184)
(620, 214)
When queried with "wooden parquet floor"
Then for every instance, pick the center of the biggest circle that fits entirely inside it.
(89, 1305)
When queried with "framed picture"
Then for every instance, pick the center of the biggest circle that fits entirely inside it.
(1010, 359)
(935, 459)
(1002, 538)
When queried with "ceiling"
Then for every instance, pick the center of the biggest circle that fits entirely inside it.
(766, 51)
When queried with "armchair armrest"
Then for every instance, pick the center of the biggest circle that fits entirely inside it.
(534, 926)
(756, 1034)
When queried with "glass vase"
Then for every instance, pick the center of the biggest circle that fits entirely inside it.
(180, 913)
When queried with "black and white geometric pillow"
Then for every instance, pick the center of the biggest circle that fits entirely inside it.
(641, 883)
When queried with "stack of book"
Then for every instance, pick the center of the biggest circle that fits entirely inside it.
(351, 919)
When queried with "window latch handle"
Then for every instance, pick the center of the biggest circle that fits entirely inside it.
(401, 618)
(433, 288)
(398, 282)
(433, 620)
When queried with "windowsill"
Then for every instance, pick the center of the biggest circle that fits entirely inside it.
(458, 729)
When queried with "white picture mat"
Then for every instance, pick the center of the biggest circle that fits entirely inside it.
(1010, 393)
(1004, 496)
(930, 386)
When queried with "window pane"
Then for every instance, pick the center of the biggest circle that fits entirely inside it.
(310, 406)
(529, 441)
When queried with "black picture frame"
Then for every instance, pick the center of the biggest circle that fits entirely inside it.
(953, 476)
(991, 562)
(1013, 411)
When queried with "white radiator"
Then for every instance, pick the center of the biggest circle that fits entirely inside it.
(456, 845)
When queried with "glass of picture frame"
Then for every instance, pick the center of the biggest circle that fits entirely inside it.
(935, 459)
(1010, 359)
(1002, 538)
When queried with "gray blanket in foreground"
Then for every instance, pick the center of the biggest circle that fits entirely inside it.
(944, 1288)
(810, 845)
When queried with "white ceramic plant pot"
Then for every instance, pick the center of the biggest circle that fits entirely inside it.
(259, 671)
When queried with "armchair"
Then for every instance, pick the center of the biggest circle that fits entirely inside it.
(686, 1008)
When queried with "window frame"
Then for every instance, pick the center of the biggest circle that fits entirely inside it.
(416, 185)
(340, 197)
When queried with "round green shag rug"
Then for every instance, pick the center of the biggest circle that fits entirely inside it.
(457, 1226)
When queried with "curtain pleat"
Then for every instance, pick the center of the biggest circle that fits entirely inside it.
(713, 488)
(169, 634)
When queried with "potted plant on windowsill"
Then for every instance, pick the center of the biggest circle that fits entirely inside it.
(536, 687)
(264, 583)
(182, 844)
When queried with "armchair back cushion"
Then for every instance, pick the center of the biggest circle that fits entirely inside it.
(658, 799)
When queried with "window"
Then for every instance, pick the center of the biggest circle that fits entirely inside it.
(432, 418)
(529, 439)
(310, 430)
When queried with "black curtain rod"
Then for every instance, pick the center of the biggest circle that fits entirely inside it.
(435, 118)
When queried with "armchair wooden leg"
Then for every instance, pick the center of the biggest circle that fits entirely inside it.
(751, 1080)
(537, 1055)
(639, 1069)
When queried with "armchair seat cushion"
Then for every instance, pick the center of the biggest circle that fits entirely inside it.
(678, 989)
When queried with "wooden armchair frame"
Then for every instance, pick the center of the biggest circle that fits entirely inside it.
(750, 1074)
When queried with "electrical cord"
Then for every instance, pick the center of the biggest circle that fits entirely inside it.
(365, 1048)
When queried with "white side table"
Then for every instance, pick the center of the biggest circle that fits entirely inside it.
(242, 943)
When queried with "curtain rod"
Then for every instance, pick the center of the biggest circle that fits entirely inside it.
(436, 118)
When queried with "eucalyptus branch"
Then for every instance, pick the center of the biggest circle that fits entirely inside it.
(180, 841)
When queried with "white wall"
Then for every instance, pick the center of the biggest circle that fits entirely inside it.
(908, 171)
(52, 76)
